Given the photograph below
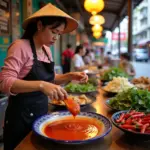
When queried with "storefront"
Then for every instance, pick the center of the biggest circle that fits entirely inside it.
(12, 14)
(10, 24)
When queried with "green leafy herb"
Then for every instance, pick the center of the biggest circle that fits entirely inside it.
(113, 72)
(74, 87)
(132, 98)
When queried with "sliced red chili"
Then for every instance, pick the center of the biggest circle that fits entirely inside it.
(127, 115)
(137, 115)
(138, 124)
(147, 131)
(144, 128)
(127, 126)
(146, 119)
(132, 112)
(120, 118)
(140, 120)
(128, 121)
(148, 115)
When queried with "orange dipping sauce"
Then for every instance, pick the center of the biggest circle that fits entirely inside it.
(80, 128)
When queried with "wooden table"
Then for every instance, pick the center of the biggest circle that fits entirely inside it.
(115, 140)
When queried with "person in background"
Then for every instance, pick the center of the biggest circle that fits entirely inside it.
(92, 54)
(77, 63)
(87, 58)
(109, 56)
(66, 59)
(107, 60)
(126, 65)
(102, 58)
(28, 74)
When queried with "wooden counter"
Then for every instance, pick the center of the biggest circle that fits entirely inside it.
(115, 140)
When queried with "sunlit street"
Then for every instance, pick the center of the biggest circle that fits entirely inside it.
(142, 68)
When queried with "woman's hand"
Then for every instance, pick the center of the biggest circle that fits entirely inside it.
(53, 91)
(65, 78)
(79, 76)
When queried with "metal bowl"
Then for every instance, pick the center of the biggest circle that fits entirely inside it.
(92, 98)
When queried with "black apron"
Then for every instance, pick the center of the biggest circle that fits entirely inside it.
(23, 109)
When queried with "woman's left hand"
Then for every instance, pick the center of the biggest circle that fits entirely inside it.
(79, 76)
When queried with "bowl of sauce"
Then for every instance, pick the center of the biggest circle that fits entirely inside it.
(62, 127)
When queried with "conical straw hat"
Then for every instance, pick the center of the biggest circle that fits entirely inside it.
(51, 11)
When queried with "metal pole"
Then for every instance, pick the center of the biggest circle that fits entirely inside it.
(130, 9)
(111, 47)
(119, 41)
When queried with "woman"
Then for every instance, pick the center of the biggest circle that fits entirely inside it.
(67, 55)
(77, 63)
(87, 58)
(107, 61)
(92, 54)
(126, 65)
(28, 74)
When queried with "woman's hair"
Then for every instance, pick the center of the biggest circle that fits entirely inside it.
(69, 45)
(53, 21)
(125, 56)
(78, 49)
(87, 52)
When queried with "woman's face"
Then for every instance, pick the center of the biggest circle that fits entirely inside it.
(83, 51)
(48, 36)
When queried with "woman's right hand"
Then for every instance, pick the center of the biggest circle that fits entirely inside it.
(53, 91)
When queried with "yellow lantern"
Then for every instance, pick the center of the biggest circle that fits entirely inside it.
(97, 37)
(97, 34)
(97, 19)
(97, 27)
(94, 6)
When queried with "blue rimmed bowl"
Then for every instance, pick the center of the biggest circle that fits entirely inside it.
(115, 116)
(56, 116)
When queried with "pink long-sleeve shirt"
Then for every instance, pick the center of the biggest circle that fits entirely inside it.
(18, 63)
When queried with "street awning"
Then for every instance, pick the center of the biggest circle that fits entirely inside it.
(114, 11)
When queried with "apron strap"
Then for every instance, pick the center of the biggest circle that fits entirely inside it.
(33, 49)
(46, 54)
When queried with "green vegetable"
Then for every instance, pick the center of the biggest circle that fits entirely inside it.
(132, 98)
(74, 87)
(113, 72)
(93, 81)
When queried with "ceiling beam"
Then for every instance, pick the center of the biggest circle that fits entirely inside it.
(113, 24)
(109, 11)
(80, 9)
(120, 13)
(123, 8)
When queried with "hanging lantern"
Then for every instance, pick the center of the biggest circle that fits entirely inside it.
(97, 19)
(94, 6)
(97, 37)
(97, 28)
(97, 34)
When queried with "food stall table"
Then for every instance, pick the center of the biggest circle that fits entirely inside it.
(115, 140)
